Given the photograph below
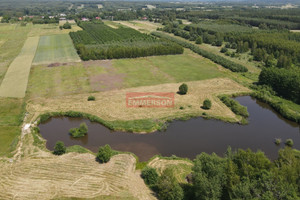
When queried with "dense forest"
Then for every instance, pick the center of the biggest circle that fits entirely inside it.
(239, 175)
(99, 41)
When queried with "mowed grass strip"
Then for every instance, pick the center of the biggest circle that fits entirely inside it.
(15, 81)
(55, 49)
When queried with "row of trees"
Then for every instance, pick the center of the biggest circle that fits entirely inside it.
(239, 175)
(126, 51)
(215, 58)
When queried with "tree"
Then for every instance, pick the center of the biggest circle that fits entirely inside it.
(149, 175)
(104, 154)
(199, 40)
(183, 89)
(206, 104)
(209, 176)
(168, 187)
(59, 148)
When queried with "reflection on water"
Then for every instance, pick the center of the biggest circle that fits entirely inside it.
(184, 138)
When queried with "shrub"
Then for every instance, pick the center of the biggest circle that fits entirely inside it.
(289, 142)
(67, 26)
(277, 141)
(206, 104)
(199, 40)
(79, 132)
(224, 50)
(183, 89)
(104, 154)
(91, 98)
(59, 148)
(149, 175)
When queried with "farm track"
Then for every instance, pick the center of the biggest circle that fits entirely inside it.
(15, 81)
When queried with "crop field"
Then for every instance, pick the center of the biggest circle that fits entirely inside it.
(55, 49)
(99, 41)
(15, 81)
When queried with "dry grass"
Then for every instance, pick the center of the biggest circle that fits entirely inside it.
(50, 29)
(15, 81)
(142, 26)
(41, 175)
(181, 167)
(62, 22)
(111, 105)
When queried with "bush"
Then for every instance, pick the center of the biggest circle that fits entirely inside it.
(91, 98)
(199, 40)
(149, 175)
(277, 141)
(67, 26)
(59, 148)
(289, 142)
(224, 50)
(104, 154)
(206, 104)
(183, 89)
(79, 132)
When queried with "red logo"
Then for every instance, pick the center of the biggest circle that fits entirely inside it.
(150, 99)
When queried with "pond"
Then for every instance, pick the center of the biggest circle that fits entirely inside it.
(184, 138)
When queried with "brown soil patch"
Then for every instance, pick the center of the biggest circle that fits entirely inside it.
(105, 82)
(101, 63)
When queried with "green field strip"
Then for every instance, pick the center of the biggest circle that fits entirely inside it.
(15, 81)
(55, 49)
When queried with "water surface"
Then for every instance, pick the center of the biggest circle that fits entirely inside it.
(184, 138)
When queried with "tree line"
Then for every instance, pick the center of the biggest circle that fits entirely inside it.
(215, 58)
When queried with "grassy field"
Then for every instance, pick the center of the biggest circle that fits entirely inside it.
(10, 120)
(93, 76)
(15, 81)
(55, 49)
(12, 38)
